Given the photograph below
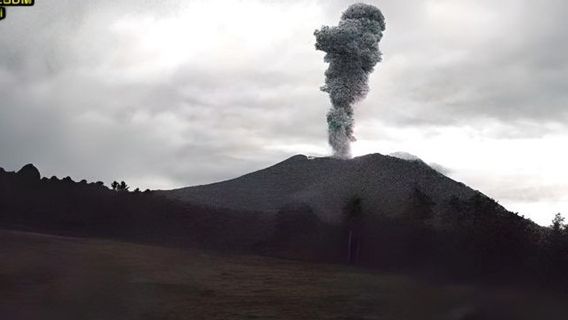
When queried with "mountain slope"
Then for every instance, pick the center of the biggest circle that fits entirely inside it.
(384, 183)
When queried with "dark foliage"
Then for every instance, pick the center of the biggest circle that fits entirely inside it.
(299, 233)
(474, 239)
(91, 209)
(353, 222)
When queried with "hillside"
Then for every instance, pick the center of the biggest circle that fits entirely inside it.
(384, 183)
(407, 217)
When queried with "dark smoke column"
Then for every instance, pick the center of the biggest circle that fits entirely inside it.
(352, 51)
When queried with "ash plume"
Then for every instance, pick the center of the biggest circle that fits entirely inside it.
(352, 51)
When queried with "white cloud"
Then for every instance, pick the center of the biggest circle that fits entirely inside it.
(170, 93)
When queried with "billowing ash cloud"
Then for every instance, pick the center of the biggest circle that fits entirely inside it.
(352, 51)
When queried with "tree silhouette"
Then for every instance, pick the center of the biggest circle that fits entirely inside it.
(420, 207)
(558, 224)
(123, 186)
(353, 215)
(557, 249)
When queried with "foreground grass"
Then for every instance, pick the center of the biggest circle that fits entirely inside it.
(49, 277)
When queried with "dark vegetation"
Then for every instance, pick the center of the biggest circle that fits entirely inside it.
(474, 239)
(62, 206)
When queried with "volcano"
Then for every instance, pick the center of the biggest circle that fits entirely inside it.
(383, 183)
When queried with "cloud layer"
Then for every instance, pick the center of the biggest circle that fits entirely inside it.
(171, 93)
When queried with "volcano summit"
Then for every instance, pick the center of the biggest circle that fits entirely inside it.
(384, 184)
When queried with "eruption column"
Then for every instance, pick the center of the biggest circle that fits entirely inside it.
(352, 51)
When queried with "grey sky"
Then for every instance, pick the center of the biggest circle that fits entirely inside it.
(172, 93)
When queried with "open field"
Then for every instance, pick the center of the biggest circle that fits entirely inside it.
(51, 277)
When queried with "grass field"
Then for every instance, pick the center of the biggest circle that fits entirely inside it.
(51, 277)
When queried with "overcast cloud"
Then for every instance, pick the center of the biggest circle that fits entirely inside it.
(166, 94)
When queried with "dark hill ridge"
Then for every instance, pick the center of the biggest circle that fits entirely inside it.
(384, 184)
(465, 234)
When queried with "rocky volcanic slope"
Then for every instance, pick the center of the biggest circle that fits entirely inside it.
(384, 183)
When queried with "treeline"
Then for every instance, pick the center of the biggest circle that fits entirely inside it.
(474, 239)
(28, 202)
